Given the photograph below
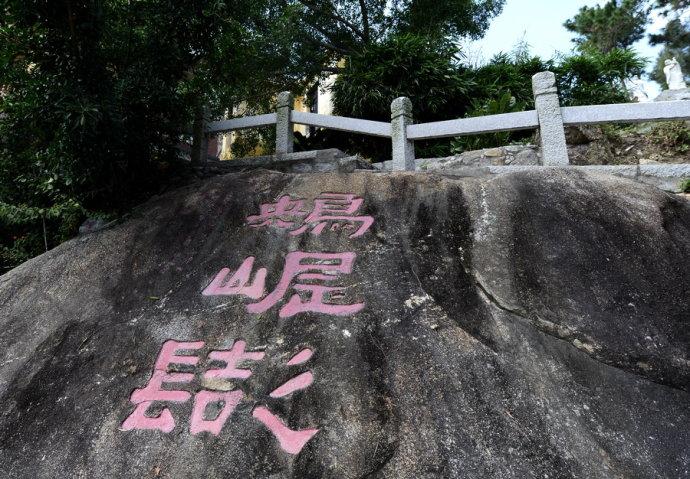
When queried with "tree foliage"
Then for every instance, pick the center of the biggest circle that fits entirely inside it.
(404, 65)
(593, 77)
(94, 97)
(503, 85)
(96, 93)
(416, 66)
(343, 27)
(616, 24)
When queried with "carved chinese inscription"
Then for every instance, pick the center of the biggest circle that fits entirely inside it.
(166, 386)
(310, 282)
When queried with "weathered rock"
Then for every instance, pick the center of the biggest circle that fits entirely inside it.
(298, 162)
(91, 225)
(588, 145)
(531, 324)
(674, 95)
(527, 155)
(504, 155)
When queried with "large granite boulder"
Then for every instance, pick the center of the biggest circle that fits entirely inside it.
(532, 324)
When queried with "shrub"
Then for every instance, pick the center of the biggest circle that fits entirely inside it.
(505, 103)
(672, 134)
(685, 186)
(596, 78)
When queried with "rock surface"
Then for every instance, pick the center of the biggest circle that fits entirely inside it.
(674, 95)
(298, 162)
(503, 155)
(532, 324)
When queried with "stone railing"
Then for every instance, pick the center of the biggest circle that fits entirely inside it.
(548, 116)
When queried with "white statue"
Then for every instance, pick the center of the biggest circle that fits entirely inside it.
(636, 90)
(674, 75)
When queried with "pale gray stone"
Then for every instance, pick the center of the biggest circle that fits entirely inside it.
(667, 177)
(527, 156)
(504, 155)
(304, 161)
(520, 120)
(626, 171)
(554, 151)
(515, 149)
(403, 148)
(674, 95)
(494, 152)
(625, 112)
(284, 131)
(341, 123)
(384, 165)
(241, 123)
(664, 176)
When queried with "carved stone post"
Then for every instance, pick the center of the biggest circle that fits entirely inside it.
(199, 151)
(553, 147)
(284, 131)
(403, 149)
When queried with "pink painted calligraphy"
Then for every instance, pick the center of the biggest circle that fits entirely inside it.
(308, 283)
(306, 273)
(331, 210)
(155, 394)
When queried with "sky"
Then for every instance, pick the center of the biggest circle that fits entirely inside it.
(540, 24)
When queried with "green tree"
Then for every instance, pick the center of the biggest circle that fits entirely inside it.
(404, 65)
(441, 88)
(616, 24)
(334, 29)
(95, 95)
(596, 78)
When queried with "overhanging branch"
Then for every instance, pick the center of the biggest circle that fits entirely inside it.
(338, 18)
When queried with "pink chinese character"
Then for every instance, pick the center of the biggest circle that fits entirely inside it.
(212, 409)
(283, 213)
(302, 357)
(336, 208)
(299, 266)
(237, 283)
(154, 391)
(291, 441)
(301, 381)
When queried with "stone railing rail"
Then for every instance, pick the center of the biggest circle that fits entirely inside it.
(548, 116)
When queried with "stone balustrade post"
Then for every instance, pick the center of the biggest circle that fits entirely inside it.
(284, 130)
(403, 149)
(199, 150)
(553, 147)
